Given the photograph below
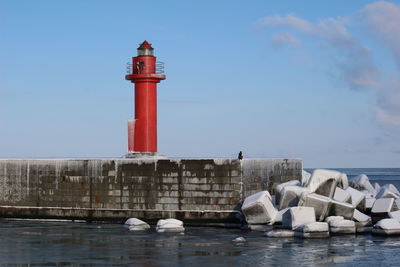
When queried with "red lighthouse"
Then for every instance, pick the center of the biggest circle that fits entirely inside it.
(145, 73)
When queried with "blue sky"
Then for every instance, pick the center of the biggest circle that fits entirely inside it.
(317, 80)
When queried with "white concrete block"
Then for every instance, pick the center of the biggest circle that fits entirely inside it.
(258, 208)
(369, 202)
(395, 215)
(361, 219)
(383, 205)
(321, 204)
(338, 208)
(361, 182)
(280, 187)
(313, 227)
(297, 216)
(170, 226)
(135, 224)
(387, 227)
(333, 218)
(280, 233)
(343, 181)
(342, 195)
(381, 208)
(392, 188)
(386, 192)
(377, 187)
(342, 227)
(278, 217)
(368, 194)
(305, 178)
(387, 224)
(323, 182)
(290, 196)
(357, 198)
(312, 230)
(273, 200)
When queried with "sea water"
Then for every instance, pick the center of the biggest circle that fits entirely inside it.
(45, 243)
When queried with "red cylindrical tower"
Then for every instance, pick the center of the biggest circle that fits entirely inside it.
(145, 73)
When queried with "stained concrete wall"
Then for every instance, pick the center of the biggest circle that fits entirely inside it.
(266, 174)
(114, 189)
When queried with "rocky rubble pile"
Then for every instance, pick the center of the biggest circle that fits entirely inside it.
(325, 203)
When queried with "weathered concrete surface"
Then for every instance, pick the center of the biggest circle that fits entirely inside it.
(198, 190)
(266, 174)
(258, 208)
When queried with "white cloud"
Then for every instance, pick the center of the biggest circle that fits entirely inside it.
(334, 31)
(330, 29)
(284, 38)
(358, 68)
(383, 18)
(289, 20)
(387, 118)
(387, 110)
(355, 63)
(353, 59)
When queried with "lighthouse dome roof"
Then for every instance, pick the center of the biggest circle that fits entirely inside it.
(145, 45)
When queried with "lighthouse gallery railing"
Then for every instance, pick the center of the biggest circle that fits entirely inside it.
(160, 68)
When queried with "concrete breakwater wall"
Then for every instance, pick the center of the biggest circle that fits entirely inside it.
(198, 190)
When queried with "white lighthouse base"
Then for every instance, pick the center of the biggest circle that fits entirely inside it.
(144, 155)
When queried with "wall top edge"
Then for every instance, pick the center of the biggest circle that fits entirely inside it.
(138, 159)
